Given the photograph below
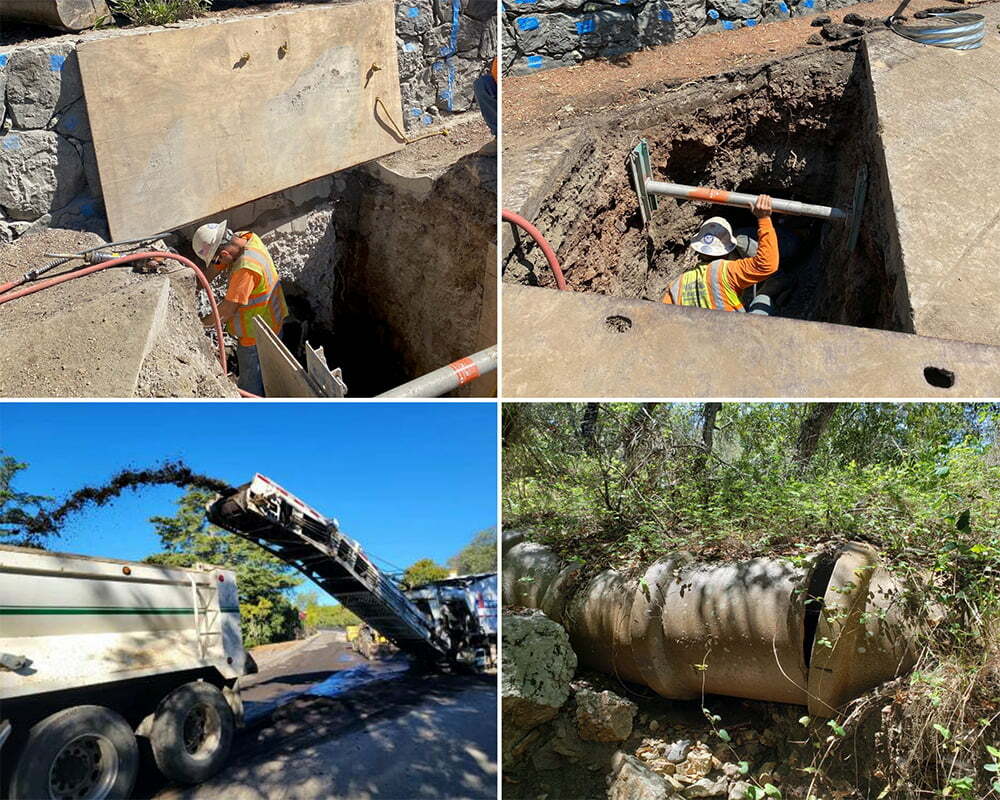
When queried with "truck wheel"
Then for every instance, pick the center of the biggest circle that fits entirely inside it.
(192, 732)
(81, 752)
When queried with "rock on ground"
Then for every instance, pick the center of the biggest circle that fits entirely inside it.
(604, 716)
(632, 780)
(537, 666)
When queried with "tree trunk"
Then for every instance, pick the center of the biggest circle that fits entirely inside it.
(709, 413)
(811, 430)
(588, 426)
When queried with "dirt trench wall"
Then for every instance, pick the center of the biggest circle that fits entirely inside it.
(48, 171)
(540, 34)
(418, 272)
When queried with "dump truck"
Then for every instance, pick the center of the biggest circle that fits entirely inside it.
(96, 652)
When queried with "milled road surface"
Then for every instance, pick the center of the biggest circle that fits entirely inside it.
(402, 735)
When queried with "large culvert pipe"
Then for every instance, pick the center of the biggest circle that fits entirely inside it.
(745, 630)
(68, 15)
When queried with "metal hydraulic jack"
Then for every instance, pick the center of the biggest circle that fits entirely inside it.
(647, 189)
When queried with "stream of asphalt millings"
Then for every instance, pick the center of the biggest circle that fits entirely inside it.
(175, 473)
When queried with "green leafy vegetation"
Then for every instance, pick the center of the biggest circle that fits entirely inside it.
(14, 515)
(159, 12)
(479, 555)
(318, 616)
(423, 571)
(263, 581)
(618, 485)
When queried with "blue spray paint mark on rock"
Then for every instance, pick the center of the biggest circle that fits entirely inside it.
(713, 14)
(751, 23)
(3, 59)
(586, 26)
(437, 66)
(56, 63)
(427, 119)
(451, 86)
(527, 23)
(11, 142)
(412, 12)
(667, 15)
(524, 2)
(807, 3)
(411, 47)
(534, 62)
(783, 7)
(415, 112)
(727, 25)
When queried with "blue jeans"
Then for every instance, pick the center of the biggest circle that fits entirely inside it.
(486, 95)
(250, 379)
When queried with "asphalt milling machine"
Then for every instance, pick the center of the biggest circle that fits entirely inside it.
(439, 624)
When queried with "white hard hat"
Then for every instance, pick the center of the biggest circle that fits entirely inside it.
(715, 238)
(207, 240)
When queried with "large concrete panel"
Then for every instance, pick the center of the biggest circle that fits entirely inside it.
(193, 120)
(937, 116)
(565, 344)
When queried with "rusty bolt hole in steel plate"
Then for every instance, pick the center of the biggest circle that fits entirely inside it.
(940, 377)
(618, 324)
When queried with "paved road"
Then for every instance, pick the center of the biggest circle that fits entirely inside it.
(400, 735)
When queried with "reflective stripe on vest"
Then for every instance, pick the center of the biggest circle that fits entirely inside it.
(704, 286)
(267, 299)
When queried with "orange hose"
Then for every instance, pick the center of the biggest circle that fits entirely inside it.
(550, 254)
(69, 276)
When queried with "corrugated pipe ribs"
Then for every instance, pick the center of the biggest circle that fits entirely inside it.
(817, 634)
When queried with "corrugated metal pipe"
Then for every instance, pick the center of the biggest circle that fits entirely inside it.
(816, 635)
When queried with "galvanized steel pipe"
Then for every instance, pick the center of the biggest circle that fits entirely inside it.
(679, 190)
(746, 630)
(457, 373)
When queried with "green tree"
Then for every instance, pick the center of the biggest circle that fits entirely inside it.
(262, 580)
(423, 571)
(13, 515)
(479, 555)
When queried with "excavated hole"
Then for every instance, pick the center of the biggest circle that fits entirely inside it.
(799, 129)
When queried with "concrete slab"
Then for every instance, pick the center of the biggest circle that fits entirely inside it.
(564, 344)
(276, 100)
(937, 112)
(533, 169)
(89, 349)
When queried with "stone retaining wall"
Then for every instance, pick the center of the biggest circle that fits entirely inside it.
(48, 172)
(540, 34)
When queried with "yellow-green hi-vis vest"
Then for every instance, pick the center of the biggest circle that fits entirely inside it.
(705, 286)
(267, 299)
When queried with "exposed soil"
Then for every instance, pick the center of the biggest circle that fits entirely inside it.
(567, 96)
(175, 473)
(791, 128)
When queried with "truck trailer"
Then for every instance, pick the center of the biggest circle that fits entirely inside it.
(96, 652)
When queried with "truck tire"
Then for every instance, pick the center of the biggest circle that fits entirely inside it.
(81, 752)
(192, 732)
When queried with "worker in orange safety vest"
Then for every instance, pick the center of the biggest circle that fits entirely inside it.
(254, 290)
(716, 282)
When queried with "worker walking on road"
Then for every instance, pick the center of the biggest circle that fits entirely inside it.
(254, 291)
(716, 282)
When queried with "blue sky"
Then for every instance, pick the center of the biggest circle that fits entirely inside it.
(407, 480)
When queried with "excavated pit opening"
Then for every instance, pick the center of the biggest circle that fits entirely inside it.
(798, 129)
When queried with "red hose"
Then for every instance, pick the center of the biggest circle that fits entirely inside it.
(37, 287)
(550, 254)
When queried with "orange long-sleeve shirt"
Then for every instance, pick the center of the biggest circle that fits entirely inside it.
(741, 273)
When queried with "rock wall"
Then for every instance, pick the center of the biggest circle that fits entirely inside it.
(48, 172)
(540, 34)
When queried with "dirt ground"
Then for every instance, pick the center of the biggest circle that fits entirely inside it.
(564, 97)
